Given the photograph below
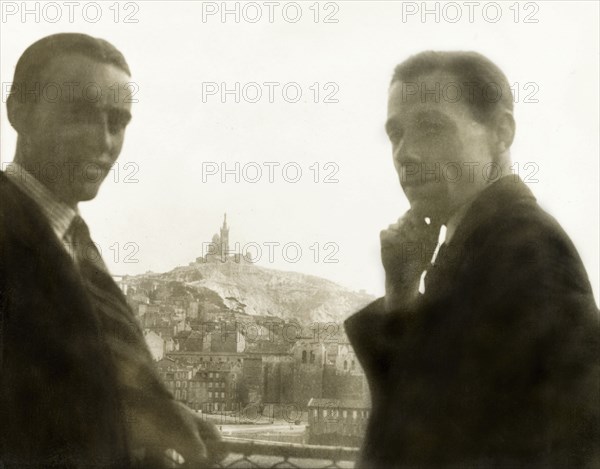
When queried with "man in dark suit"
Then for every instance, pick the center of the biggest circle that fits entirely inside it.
(484, 351)
(78, 386)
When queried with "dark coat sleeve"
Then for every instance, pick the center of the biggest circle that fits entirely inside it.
(498, 365)
(364, 332)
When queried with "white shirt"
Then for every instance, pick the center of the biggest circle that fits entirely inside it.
(446, 233)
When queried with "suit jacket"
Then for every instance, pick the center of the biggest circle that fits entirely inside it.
(497, 365)
(59, 403)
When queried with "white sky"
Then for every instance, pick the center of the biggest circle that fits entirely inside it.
(169, 212)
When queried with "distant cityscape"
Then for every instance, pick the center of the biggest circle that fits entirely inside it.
(260, 376)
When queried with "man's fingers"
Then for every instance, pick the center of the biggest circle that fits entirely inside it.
(213, 440)
(186, 439)
(402, 234)
(408, 228)
(193, 450)
(207, 430)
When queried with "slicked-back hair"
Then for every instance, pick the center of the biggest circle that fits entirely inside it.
(484, 87)
(37, 57)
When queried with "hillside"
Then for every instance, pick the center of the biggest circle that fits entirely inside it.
(250, 289)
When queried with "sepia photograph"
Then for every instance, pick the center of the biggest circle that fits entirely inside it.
(301, 234)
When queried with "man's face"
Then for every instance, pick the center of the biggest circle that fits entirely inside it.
(438, 147)
(75, 137)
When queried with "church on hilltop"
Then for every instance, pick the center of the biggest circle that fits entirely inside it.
(221, 242)
(218, 249)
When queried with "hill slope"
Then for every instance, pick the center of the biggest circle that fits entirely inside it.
(254, 290)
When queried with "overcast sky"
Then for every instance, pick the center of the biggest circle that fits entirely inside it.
(181, 134)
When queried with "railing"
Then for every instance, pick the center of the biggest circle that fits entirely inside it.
(246, 453)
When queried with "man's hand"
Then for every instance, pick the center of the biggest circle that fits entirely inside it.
(196, 440)
(406, 249)
(211, 437)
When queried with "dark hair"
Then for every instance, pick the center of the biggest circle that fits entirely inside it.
(476, 74)
(37, 56)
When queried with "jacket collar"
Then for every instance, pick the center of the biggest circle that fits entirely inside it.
(499, 195)
(58, 214)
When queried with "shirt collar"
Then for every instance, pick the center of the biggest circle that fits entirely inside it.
(59, 214)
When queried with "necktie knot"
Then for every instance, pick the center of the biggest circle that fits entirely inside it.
(78, 228)
(83, 249)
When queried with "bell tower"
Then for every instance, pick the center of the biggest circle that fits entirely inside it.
(224, 239)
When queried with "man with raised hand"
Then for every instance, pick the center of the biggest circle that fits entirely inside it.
(484, 351)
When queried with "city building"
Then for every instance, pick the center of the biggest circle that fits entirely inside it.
(337, 422)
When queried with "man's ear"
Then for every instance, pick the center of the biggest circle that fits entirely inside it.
(18, 114)
(503, 132)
